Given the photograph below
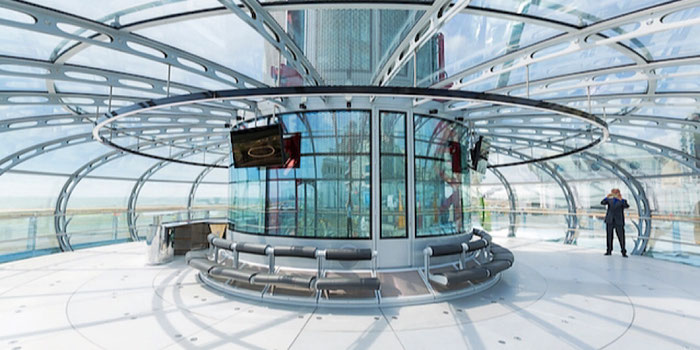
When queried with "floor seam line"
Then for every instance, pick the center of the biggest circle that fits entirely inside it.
(302, 328)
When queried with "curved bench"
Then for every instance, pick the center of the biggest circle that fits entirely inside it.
(348, 283)
(270, 278)
(500, 260)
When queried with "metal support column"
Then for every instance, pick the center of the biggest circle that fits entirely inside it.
(511, 200)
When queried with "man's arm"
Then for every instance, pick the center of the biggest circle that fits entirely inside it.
(604, 201)
(624, 204)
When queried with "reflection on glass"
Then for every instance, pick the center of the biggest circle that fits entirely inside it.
(442, 196)
(328, 196)
(393, 174)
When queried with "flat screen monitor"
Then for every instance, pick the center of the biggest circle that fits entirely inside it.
(258, 147)
(480, 155)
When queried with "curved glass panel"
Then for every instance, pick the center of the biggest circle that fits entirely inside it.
(203, 37)
(326, 197)
(577, 12)
(442, 195)
(13, 43)
(467, 40)
(393, 174)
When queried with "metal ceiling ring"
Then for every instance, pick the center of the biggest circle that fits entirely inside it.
(598, 127)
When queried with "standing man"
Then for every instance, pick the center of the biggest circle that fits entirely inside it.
(615, 219)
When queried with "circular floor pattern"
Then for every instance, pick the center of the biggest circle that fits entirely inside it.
(555, 297)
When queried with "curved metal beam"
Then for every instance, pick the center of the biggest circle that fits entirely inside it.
(656, 149)
(635, 187)
(639, 121)
(60, 221)
(115, 39)
(577, 41)
(98, 100)
(16, 158)
(439, 13)
(344, 91)
(571, 218)
(511, 200)
(195, 185)
(136, 190)
(262, 22)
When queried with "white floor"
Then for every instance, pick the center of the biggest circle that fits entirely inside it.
(555, 297)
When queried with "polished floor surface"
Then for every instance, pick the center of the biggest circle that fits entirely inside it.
(555, 297)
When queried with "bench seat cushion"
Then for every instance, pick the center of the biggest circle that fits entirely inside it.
(456, 277)
(446, 249)
(287, 280)
(296, 251)
(505, 256)
(251, 248)
(347, 283)
(349, 254)
(195, 254)
(202, 264)
(229, 272)
(475, 245)
(495, 267)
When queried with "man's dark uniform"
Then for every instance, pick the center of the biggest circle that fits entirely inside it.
(615, 219)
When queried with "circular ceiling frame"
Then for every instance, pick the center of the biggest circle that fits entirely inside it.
(450, 96)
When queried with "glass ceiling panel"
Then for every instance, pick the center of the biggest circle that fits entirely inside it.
(226, 40)
(163, 194)
(679, 84)
(640, 162)
(156, 9)
(65, 160)
(208, 194)
(13, 141)
(14, 42)
(99, 193)
(679, 42)
(680, 112)
(470, 40)
(682, 141)
(130, 166)
(100, 57)
(22, 191)
(576, 12)
(184, 172)
(20, 111)
(10, 83)
(594, 58)
(105, 8)
(185, 77)
(70, 86)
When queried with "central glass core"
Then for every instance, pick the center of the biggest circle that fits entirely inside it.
(330, 195)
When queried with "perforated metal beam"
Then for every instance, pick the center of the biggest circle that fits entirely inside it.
(571, 218)
(635, 187)
(131, 216)
(656, 149)
(25, 154)
(511, 201)
(60, 220)
(261, 21)
(108, 37)
(576, 38)
(439, 13)
(195, 185)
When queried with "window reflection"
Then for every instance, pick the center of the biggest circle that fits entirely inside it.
(328, 196)
(393, 174)
(442, 196)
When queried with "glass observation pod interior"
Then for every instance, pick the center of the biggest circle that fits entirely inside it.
(363, 182)
(632, 63)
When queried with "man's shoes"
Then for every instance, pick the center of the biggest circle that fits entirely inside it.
(624, 255)
(607, 253)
